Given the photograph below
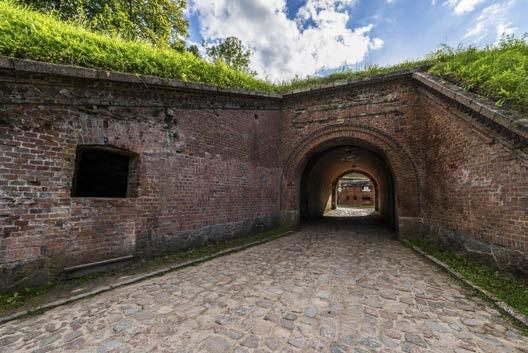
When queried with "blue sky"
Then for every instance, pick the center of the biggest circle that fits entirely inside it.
(306, 37)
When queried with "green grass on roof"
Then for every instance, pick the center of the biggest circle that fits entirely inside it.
(346, 75)
(499, 72)
(32, 35)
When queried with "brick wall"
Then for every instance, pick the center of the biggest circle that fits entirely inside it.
(378, 115)
(475, 189)
(356, 195)
(206, 163)
(209, 164)
(459, 164)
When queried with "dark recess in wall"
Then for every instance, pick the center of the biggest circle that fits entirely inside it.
(100, 173)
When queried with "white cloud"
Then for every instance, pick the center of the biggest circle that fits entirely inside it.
(376, 43)
(318, 37)
(492, 21)
(462, 6)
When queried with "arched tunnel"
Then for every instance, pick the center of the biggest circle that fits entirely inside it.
(325, 168)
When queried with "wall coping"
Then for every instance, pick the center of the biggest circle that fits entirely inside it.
(373, 79)
(79, 72)
(515, 122)
(38, 67)
(481, 105)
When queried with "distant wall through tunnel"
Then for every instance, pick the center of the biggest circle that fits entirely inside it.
(350, 191)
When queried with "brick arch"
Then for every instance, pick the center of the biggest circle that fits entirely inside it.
(368, 174)
(398, 160)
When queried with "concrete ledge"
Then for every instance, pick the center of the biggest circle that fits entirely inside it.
(502, 306)
(98, 263)
(71, 71)
(138, 278)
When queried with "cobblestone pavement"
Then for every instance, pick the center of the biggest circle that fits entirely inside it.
(350, 212)
(326, 288)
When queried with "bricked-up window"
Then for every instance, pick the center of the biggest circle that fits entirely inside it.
(103, 172)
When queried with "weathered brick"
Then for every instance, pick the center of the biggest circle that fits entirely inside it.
(212, 164)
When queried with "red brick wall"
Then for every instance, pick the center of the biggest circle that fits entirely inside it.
(207, 169)
(473, 186)
(212, 164)
(354, 196)
(380, 116)
(459, 168)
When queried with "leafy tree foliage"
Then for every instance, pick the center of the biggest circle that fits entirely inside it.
(193, 49)
(160, 22)
(232, 52)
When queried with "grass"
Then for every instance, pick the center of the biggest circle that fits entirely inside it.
(33, 296)
(513, 291)
(499, 72)
(32, 35)
(345, 75)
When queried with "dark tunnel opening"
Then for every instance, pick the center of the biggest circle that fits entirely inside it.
(363, 170)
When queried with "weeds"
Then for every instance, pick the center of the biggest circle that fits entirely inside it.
(511, 290)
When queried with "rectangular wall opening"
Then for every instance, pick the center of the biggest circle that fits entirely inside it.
(102, 172)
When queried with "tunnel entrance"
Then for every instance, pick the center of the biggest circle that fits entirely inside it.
(348, 181)
(353, 195)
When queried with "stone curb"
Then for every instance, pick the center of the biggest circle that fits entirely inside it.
(502, 306)
(138, 278)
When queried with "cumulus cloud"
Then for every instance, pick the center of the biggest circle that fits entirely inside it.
(462, 6)
(493, 21)
(284, 47)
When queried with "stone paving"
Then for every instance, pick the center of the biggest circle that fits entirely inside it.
(350, 212)
(330, 287)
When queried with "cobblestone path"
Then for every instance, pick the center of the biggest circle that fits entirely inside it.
(350, 212)
(327, 288)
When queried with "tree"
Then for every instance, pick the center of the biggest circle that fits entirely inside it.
(232, 52)
(194, 50)
(160, 22)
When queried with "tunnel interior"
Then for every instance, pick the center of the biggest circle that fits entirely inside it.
(324, 173)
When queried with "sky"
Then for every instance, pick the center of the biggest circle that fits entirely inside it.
(292, 38)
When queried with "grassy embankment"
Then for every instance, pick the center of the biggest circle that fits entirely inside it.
(499, 72)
